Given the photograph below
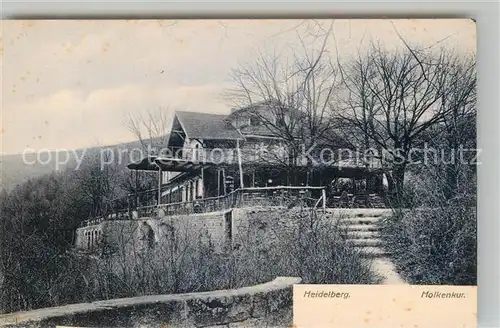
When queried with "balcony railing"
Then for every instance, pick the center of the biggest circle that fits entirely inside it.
(280, 196)
(283, 196)
(124, 215)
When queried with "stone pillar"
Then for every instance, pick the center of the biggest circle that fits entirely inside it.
(201, 186)
(323, 195)
(183, 193)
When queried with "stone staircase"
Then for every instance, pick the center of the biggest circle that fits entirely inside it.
(364, 233)
(362, 229)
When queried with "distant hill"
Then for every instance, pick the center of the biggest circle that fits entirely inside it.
(14, 169)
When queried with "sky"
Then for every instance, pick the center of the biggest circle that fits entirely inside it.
(74, 84)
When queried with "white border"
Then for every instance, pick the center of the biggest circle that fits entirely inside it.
(485, 13)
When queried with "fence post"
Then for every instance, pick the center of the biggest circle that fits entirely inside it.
(159, 184)
(323, 195)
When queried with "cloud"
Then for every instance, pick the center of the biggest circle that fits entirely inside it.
(72, 119)
(71, 83)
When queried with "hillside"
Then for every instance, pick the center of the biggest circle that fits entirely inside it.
(16, 168)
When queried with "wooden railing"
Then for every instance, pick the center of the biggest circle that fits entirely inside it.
(357, 201)
(283, 196)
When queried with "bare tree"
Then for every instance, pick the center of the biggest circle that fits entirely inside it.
(295, 94)
(394, 98)
(458, 130)
(151, 128)
(152, 131)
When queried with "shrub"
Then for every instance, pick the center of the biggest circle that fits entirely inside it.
(292, 243)
(434, 245)
(302, 244)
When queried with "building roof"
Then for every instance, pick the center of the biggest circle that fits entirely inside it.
(153, 163)
(207, 126)
(259, 130)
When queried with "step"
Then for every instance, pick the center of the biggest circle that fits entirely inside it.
(373, 251)
(361, 227)
(357, 212)
(363, 234)
(372, 242)
(360, 220)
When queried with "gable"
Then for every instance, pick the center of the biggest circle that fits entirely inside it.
(207, 126)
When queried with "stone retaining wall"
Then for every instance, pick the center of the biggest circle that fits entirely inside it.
(254, 306)
(223, 228)
(124, 233)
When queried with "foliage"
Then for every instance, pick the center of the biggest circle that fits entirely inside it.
(302, 244)
(187, 261)
(38, 221)
(435, 243)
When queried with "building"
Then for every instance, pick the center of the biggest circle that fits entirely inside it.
(210, 156)
(215, 164)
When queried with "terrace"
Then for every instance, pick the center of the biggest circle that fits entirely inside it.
(145, 204)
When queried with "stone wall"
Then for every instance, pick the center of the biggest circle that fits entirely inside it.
(109, 232)
(216, 227)
(262, 305)
(222, 229)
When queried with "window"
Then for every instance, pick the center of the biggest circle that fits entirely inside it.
(165, 176)
(196, 152)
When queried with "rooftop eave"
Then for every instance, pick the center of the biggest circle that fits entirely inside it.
(145, 164)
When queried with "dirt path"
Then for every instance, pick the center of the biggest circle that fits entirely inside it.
(385, 268)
